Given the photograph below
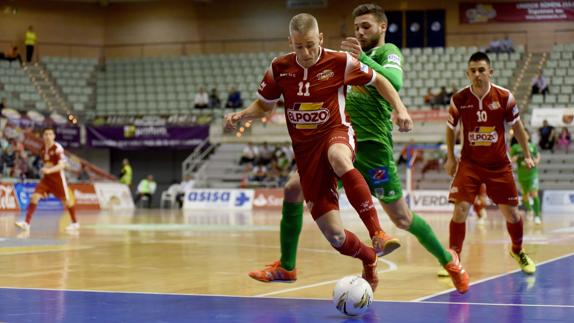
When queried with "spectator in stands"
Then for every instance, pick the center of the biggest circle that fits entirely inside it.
(201, 100)
(430, 98)
(11, 55)
(146, 189)
(564, 140)
(506, 45)
(83, 176)
(30, 40)
(214, 101)
(20, 169)
(495, 46)
(265, 153)
(234, 100)
(539, 84)
(126, 173)
(249, 155)
(547, 136)
(442, 97)
(258, 173)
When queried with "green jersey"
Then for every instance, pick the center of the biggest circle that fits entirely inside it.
(370, 113)
(523, 171)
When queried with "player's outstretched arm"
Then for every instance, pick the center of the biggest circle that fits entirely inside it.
(450, 165)
(520, 135)
(387, 91)
(255, 110)
(394, 73)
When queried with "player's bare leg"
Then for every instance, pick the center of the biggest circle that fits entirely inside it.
(515, 227)
(347, 243)
(74, 226)
(284, 270)
(359, 195)
(405, 219)
(25, 225)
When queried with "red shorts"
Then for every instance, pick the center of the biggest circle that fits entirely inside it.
(318, 180)
(500, 185)
(55, 185)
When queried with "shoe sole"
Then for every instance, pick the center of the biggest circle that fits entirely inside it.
(275, 280)
(388, 247)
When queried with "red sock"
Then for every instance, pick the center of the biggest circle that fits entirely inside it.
(516, 231)
(359, 195)
(72, 210)
(457, 233)
(30, 212)
(353, 247)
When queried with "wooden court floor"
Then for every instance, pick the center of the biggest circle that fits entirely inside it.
(210, 252)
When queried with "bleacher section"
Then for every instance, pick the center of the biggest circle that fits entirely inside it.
(17, 88)
(559, 72)
(168, 85)
(426, 68)
(75, 76)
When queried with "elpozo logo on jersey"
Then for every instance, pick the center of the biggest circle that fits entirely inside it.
(213, 198)
(483, 136)
(308, 115)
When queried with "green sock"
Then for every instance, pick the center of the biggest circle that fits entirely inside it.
(536, 202)
(426, 236)
(526, 203)
(291, 223)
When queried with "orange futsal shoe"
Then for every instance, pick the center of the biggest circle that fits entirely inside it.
(274, 272)
(458, 275)
(370, 275)
(384, 244)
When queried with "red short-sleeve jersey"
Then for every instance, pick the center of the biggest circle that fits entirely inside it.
(51, 157)
(315, 96)
(483, 122)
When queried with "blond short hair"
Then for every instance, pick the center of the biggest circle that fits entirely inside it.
(303, 23)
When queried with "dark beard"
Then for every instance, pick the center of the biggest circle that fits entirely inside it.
(372, 43)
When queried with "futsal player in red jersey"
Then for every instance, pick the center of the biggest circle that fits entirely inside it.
(483, 110)
(53, 181)
(312, 81)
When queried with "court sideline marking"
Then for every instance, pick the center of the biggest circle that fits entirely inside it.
(424, 298)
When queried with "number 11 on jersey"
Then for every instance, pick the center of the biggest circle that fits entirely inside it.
(305, 85)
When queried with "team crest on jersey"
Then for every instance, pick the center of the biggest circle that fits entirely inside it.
(325, 75)
(308, 115)
(494, 105)
(483, 136)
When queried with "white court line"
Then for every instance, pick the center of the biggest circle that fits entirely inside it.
(492, 304)
(392, 267)
(491, 278)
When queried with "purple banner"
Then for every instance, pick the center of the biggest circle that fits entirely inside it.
(515, 11)
(126, 137)
(68, 136)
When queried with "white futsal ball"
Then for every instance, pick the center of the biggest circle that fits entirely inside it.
(352, 295)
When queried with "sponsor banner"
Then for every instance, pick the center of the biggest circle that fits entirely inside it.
(429, 115)
(430, 201)
(132, 136)
(68, 136)
(558, 201)
(268, 198)
(218, 199)
(114, 196)
(24, 192)
(556, 117)
(8, 199)
(531, 11)
(85, 196)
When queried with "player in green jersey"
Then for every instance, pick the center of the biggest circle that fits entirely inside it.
(527, 178)
(371, 119)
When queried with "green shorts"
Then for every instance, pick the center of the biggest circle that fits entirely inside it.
(529, 184)
(376, 163)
